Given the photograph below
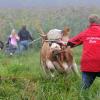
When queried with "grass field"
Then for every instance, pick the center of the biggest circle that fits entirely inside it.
(21, 76)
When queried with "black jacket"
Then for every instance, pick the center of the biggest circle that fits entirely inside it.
(24, 35)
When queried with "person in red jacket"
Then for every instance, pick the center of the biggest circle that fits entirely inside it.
(90, 61)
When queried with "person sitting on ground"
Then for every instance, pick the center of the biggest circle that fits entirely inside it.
(25, 38)
(13, 42)
(90, 62)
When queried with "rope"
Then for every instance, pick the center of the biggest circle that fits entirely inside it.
(35, 40)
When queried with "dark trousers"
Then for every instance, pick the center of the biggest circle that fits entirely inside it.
(88, 78)
(11, 49)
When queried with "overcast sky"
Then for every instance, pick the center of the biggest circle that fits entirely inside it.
(46, 3)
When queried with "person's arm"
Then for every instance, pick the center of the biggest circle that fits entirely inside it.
(17, 37)
(30, 36)
(75, 41)
(70, 44)
(19, 33)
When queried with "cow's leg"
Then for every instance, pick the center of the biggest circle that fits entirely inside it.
(58, 67)
(65, 66)
(50, 67)
(44, 67)
(75, 68)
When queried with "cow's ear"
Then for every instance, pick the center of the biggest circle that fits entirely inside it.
(66, 31)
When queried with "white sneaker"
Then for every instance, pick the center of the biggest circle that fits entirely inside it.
(11, 54)
(52, 75)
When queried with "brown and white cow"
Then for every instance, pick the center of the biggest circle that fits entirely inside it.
(57, 57)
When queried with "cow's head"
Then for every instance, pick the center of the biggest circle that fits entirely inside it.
(55, 49)
(55, 46)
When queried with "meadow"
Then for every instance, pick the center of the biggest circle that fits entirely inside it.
(21, 76)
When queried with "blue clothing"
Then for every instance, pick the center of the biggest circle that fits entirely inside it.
(88, 78)
(25, 38)
(23, 45)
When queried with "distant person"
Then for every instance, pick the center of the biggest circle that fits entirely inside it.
(25, 38)
(90, 39)
(13, 42)
(1, 45)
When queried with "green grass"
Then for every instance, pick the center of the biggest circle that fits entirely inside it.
(23, 79)
(21, 76)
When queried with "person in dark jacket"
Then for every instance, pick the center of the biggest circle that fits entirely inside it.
(1, 45)
(25, 38)
(90, 39)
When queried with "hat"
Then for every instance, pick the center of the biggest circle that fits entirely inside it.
(94, 18)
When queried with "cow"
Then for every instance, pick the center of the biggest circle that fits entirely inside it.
(54, 56)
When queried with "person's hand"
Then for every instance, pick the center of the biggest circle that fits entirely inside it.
(62, 43)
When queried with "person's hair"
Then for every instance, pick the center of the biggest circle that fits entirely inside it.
(13, 32)
(24, 27)
(94, 19)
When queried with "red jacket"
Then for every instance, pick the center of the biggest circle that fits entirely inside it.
(90, 38)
